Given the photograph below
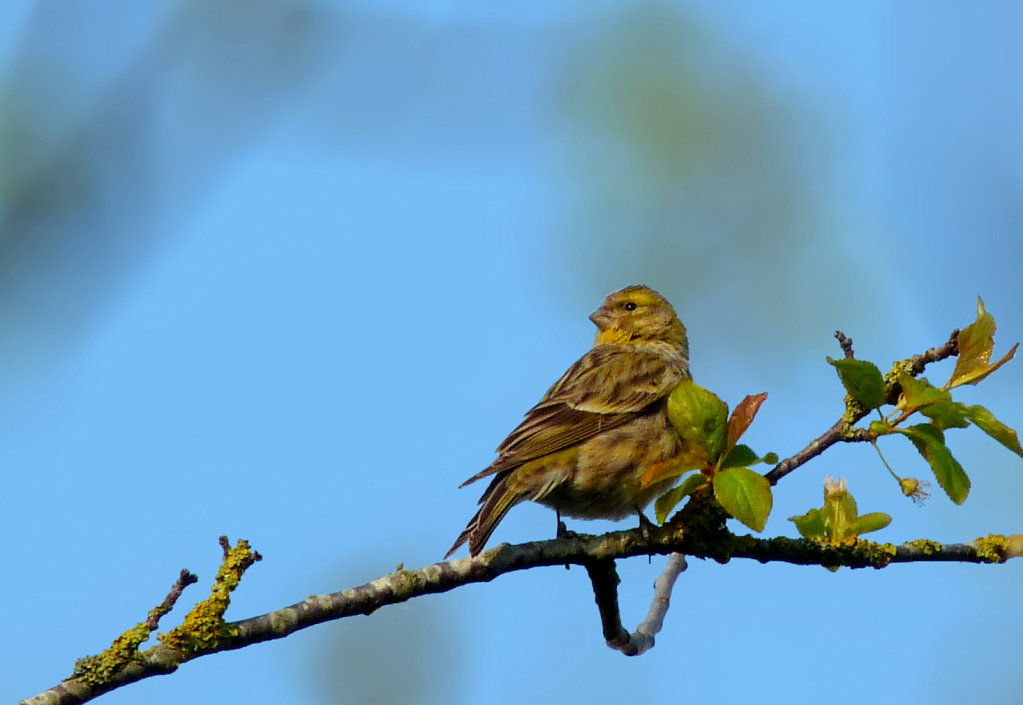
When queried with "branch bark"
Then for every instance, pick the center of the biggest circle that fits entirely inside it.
(605, 590)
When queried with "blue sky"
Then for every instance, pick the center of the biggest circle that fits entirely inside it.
(290, 272)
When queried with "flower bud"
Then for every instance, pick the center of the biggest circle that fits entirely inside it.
(915, 489)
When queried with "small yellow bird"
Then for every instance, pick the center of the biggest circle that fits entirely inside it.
(583, 448)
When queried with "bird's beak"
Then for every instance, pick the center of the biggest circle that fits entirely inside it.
(601, 318)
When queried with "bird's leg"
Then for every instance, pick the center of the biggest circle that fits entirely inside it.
(646, 526)
(563, 532)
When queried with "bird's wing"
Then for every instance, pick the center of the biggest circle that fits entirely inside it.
(612, 379)
(606, 388)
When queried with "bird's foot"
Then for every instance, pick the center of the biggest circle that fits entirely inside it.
(645, 525)
(563, 532)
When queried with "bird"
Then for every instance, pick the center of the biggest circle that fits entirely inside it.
(582, 449)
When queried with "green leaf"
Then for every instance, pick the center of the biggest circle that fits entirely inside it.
(811, 525)
(840, 511)
(742, 417)
(862, 380)
(745, 495)
(987, 423)
(701, 419)
(770, 458)
(947, 414)
(936, 404)
(930, 442)
(979, 374)
(740, 456)
(918, 393)
(880, 427)
(976, 342)
(838, 520)
(869, 522)
(670, 499)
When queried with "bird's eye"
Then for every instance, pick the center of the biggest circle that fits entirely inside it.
(630, 306)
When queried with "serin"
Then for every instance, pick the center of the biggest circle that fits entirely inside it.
(583, 448)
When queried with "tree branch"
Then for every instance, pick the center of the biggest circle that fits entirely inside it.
(605, 581)
(605, 590)
(583, 550)
(842, 430)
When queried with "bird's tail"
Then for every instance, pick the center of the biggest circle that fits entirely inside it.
(495, 503)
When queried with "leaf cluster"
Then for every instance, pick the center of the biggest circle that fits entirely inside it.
(713, 456)
(868, 389)
(711, 445)
(838, 521)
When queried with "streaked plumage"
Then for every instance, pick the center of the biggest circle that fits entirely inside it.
(582, 449)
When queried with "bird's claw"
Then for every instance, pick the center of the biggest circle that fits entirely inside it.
(563, 532)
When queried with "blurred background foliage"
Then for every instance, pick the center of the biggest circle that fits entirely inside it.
(235, 237)
(681, 152)
(112, 136)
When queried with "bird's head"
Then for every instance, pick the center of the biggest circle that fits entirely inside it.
(637, 314)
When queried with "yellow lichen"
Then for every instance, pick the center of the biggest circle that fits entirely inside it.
(877, 555)
(853, 412)
(902, 367)
(993, 548)
(100, 668)
(925, 546)
(204, 626)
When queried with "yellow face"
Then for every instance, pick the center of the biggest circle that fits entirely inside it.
(637, 314)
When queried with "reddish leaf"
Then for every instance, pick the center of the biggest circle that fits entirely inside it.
(741, 418)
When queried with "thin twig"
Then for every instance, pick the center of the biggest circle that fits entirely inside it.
(817, 446)
(643, 637)
(846, 343)
(950, 348)
(185, 578)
